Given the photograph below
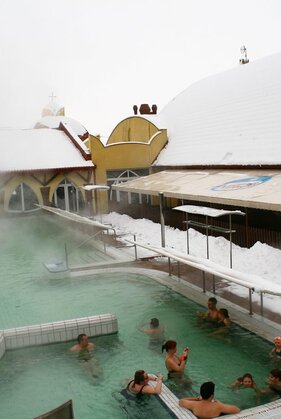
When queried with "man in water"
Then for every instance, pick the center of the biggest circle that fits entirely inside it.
(83, 347)
(205, 407)
(155, 333)
(274, 383)
(212, 314)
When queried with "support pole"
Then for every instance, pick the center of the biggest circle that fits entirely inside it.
(230, 241)
(250, 301)
(162, 221)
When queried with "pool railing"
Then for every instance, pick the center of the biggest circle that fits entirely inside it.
(216, 270)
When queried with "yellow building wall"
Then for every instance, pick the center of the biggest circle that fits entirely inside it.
(133, 129)
(129, 154)
(35, 183)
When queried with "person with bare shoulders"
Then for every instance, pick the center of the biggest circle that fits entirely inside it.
(155, 333)
(83, 347)
(139, 385)
(246, 381)
(223, 324)
(205, 407)
(274, 384)
(212, 314)
(175, 364)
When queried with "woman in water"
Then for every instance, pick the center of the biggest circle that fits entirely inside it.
(139, 385)
(276, 351)
(246, 381)
(175, 364)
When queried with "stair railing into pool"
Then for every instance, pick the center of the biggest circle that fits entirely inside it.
(206, 266)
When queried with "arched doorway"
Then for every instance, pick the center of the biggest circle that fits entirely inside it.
(68, 198)
(23, 199)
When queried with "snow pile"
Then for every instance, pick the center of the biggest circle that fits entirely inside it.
(261, 262)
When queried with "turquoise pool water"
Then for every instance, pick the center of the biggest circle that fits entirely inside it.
(35, 380)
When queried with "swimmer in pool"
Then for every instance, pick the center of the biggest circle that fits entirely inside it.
(212, 314)
(139, 384)
(155, 333)
(83, 347)
(274, 384)
(223, 324)
(275, 353)
(205, 407)
(246, 381)
(175, 364)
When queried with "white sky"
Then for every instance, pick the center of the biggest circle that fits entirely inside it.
(102, 57)
(261, 263)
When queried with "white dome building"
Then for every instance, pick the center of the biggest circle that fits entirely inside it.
(229, 119)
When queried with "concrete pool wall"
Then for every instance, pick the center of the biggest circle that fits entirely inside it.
(57, 332)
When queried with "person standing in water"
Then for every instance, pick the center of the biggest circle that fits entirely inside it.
(155, 333)
(175, 364)
(83, 347)
(212, 314)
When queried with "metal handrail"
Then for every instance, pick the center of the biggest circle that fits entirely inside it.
(199, 264)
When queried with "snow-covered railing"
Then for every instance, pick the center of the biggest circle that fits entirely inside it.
(206, 266)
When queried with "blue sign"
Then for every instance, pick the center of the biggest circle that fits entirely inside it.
(238, 184)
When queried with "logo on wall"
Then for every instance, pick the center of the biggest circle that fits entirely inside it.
(248, 182)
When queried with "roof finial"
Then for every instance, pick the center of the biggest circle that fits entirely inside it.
(244, 58)
(52, 96)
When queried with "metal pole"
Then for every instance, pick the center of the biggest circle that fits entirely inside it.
(66, 255)
(230, 241)
(179, 273)
(261, 303)
(187, 234)
(204, 281)
(162, 221)
(169, 262)
(207, 236)
(214, 285)
(135, 239)
(250, 301)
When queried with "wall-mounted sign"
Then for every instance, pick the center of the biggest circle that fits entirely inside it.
(238, 184)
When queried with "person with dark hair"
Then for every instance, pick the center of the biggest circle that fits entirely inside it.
(83, 347)
(246, 381)
(223, 324)
(155, 333)
(139, 384)
(175, 364)
(212, 314)
(274, 383)
(205, 407)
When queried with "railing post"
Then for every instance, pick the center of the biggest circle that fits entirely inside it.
(66, 255)
(169, 263)
(261, 303)
(204, 281)
(214, 284)
(162, 221)
(136, 255)
(179, 274)
(250, 301)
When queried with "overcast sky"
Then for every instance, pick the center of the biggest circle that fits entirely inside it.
(100, 57)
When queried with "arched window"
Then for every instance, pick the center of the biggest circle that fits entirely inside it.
(114, 178)
(23, 199)
(68, 197)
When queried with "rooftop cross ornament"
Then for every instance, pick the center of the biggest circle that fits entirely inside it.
(52, 96)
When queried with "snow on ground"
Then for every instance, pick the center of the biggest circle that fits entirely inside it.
(261, 262)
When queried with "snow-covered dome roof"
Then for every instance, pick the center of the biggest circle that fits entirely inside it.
(54, 122)
(232, 118)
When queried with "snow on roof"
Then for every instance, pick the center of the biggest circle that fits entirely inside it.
(54, 122)
(38, 149)
(233, 118)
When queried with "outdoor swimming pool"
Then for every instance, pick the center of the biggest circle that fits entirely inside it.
(35, 380)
